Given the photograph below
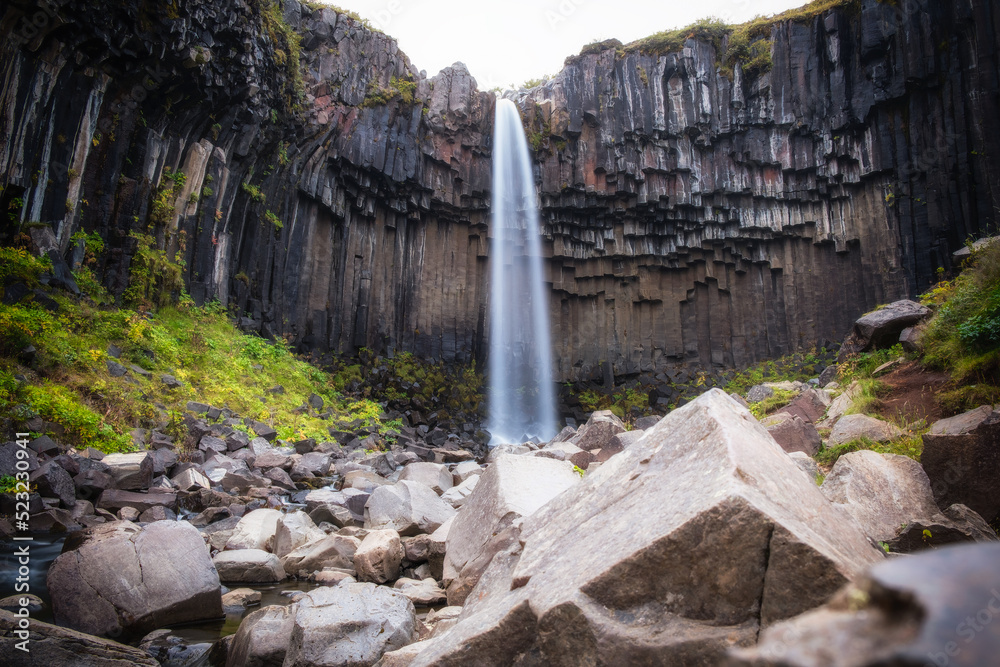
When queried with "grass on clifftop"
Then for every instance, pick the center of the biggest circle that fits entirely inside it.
(69, 383)
(748, 44)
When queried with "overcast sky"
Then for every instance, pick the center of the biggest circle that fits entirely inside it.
(510, 42)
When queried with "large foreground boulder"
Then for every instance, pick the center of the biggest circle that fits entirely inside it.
(511, 488)
(119, 580)
(936, 608)
(50, 645)
(683, 545)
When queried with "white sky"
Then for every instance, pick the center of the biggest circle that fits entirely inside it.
(509, 42)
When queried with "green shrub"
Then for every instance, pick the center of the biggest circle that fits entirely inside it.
(963, 337)
(83, 427)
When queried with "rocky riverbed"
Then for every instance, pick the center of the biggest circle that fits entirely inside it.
(686, 540)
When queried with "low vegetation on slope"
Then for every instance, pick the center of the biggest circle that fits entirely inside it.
(61, 360)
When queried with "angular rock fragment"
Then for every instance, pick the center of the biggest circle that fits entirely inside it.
(379, 556)
(250, 566)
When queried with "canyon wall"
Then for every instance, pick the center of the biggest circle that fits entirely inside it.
(689, 217)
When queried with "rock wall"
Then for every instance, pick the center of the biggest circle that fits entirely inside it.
(689, 218)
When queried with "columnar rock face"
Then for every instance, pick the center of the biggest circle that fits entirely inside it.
(687, 216)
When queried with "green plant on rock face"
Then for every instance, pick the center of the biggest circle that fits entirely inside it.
(254, 192)
(154, 279)
(579, 471)
(273, 219)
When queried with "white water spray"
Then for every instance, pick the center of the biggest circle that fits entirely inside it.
(522, 401)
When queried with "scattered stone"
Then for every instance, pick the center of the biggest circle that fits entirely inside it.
(792, 433)
(292, 531)
(379, 556)
(113, 500)
(839, 405)
(130, 471)
(251, 566)
(239, 599)
(853, 427)
(464, 470)
(406, 507)
(433, 475)
(806, 464)
(350, 624)
(881, 492)
(457, 495)
(54, 482)
(881, 328)
(159, 575)
(809, 406)
(115, 369)
(262, 638)
(51, 645)
(335, 551)
(171, 382)
(191, 479)
(255, 530)
(956, 524)
(758, 393)
(598, 431)
(424, 593)
(263, 430)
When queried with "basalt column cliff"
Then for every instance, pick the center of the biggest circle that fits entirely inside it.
(692, 211)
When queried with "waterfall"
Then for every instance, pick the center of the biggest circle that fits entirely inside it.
(522, 400)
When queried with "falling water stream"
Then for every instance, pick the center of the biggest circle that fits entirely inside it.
(522, 400)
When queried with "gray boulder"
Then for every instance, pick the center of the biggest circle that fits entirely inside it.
(598, 431)
(881, 492)
(739, 540)
(881, 328)
(436, 476)
(250, 566)
(853, 427)
(407, 507)
(962, 459)
(54, 482)
(255, 530)
(350, 625)
(513, 487)
(292, 531)
(329, 551)
(262, 638)
(130, 471)
(50, 645)
(379, 556)
(120, 580)
(792, 433)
